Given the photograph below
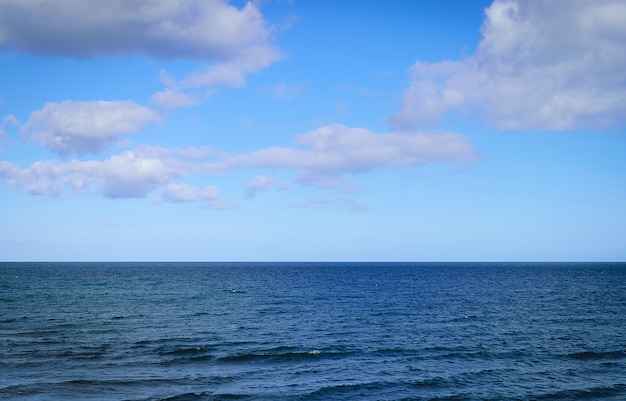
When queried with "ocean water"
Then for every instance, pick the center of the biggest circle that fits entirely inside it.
(312, 331)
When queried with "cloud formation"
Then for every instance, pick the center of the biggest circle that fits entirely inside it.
(233, 72)
(541, 64)
(132, 175)
(77, 127)
(336, 149)
(322, 158)
(128, 175)
(193, 29)
(235, 40)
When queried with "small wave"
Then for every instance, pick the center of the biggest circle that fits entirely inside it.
(183, 351)
(7, 300)
(188, 360)
(356, 388)
(354, 391)
(433, 382)
(19, 390)
(73, 388)
(272, 356)
(206, 396)
(389, 352)
(590, 355)
(186, 397)
(93, 353)
(460, 353)
(184, 355)
(593, 393)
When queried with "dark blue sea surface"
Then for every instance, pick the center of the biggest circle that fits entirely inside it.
(312, 331)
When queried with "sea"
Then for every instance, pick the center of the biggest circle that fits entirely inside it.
(312, 331)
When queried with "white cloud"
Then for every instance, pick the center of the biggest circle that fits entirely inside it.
(8, 170)
(75, 127)
(128, 175)
(541, 64)
(49, 177)
(230, 73)
(326, 181)
(233, 73)
(172, 97)
(177, 193)
(186, 161)
(322, 158)
(169, 99)
(235, 39)
(258, 183)
(337, 149)
(327, 153)
(196, 29)
(131, 175)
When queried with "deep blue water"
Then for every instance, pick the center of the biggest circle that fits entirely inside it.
(317, 331)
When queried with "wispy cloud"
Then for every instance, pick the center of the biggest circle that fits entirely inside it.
(177, 193)
(169, 99)
(541, 64)
(172, 97)
(9, 119)
(233, 73)
(258, 183)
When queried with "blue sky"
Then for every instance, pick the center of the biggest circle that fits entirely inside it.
(332, 130)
